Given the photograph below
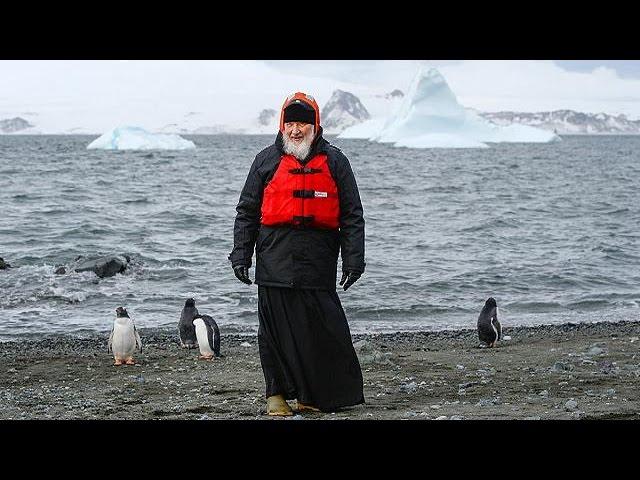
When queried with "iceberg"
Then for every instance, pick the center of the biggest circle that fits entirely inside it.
(137, 138)
(430, 116)
(366, 130)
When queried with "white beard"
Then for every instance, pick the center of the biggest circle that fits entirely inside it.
(298, 150)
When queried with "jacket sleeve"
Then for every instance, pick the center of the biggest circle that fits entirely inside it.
(351, 217)
(247, 222)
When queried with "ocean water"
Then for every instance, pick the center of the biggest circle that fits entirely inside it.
(550, 230)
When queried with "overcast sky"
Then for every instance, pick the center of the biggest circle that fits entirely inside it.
(610, 86)
(90, 88)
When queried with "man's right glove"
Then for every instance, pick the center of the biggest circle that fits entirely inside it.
(242, 273)
(348, 279)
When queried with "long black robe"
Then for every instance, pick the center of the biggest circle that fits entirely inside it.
(305, 348)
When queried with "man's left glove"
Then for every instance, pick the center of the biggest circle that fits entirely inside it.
(349, 278)
(242, 274)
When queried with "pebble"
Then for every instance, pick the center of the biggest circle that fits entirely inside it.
(245, 344)
(570, 405)
(595, 351)
(409, 387)
(442, 417)
(561, 367)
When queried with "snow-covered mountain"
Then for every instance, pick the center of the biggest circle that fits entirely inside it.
(430, 116)
(266, 116)
(569, 122)
(342, 110)
(13, 125)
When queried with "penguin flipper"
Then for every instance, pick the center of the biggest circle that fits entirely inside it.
(110, 341)
(498, 328)
(138, 341)
(213, 334)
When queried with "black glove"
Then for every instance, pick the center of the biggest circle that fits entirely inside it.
(350, 277)
(242, 273)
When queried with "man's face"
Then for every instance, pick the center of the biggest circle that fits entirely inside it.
(297, 132)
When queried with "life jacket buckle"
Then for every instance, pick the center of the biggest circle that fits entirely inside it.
(304, 194)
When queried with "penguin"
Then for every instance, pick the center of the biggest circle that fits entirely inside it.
(489, 329)
(124, 338)
(208, 336)
(186, 330)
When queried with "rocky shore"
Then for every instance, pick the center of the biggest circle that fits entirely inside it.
(569, 371)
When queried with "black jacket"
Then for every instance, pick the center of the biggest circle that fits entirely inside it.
(292, 256)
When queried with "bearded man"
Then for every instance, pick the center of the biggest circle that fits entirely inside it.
(299, 208)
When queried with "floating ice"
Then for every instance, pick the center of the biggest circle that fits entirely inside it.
(137, 138)
(431, 117)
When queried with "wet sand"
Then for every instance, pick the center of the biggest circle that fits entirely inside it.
(570, 371)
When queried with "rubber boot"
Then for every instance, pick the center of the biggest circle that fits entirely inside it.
(278, 407)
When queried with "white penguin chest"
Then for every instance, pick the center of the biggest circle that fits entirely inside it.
(203, 336)
(124, 341)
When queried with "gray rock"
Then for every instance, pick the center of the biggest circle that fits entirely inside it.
(3, 264)
(361, 345)
(561, 367)
(409, 387)
(60, 270)
(608, 368)
(442, 417)
(571, 405)
(467, 385)
(596, 351)
(105, 266)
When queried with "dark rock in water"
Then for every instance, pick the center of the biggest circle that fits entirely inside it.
(60, 270)
(3, 264)
(105, 266)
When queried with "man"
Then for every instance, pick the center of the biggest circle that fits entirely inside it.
(299, 208)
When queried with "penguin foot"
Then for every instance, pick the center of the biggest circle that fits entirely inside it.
(117, 362)
(206, 357)
(130, 361)
(302, 407)
(278, 407)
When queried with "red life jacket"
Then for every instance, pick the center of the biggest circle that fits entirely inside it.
(302, 195)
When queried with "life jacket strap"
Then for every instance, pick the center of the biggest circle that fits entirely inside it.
(302, 221)
(304, 193)
(301, 170)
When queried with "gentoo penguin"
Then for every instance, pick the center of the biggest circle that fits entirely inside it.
(124, 338)
(186, 330)
(208, 336)
(489, 329)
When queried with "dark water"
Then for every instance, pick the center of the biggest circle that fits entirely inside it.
(552, 231)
